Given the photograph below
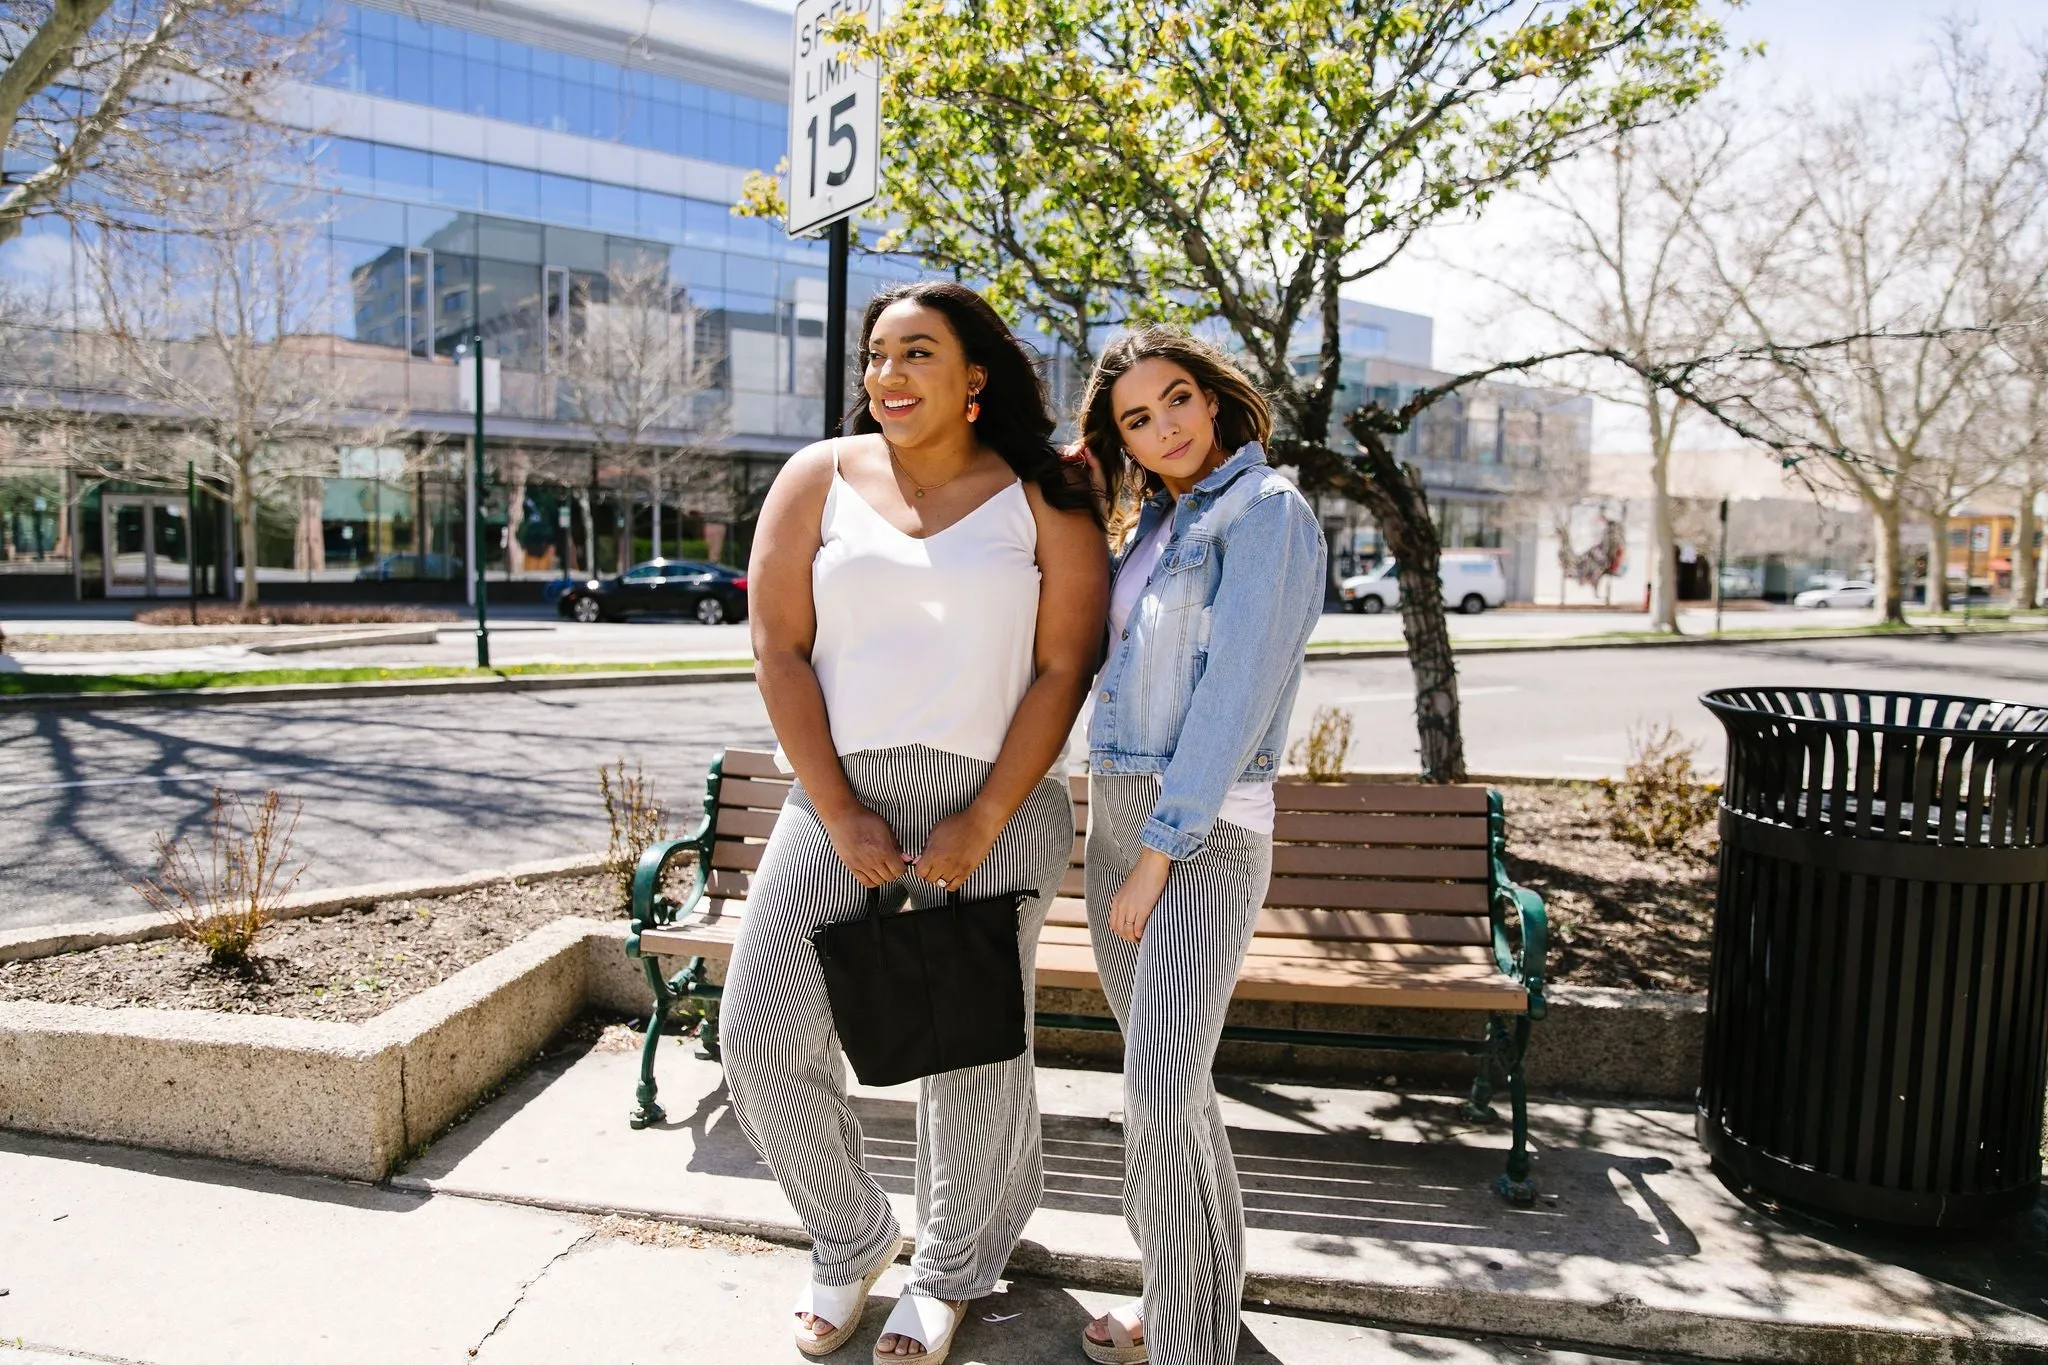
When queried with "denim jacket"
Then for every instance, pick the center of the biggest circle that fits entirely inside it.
(1213, 647)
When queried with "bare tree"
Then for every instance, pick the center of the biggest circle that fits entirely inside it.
(1627, 264)
(121, 99)
(638, 376)
(2024, 423)
(219, 347)
(1878, 223)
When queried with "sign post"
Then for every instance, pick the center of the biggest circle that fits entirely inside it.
(835, 136)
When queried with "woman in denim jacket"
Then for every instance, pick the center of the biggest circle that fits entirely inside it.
(1216, 589)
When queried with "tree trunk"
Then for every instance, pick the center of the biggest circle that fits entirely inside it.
(245, 533)
(1890, 595)
(654, 484)
(1937, 560)
(1394, 496)
(1663, 539)
(2026, 560)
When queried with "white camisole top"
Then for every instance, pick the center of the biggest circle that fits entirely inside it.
(925, 640)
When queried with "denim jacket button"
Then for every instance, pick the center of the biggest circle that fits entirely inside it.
(1108, 695)
(1127, 635)
(1108, 765)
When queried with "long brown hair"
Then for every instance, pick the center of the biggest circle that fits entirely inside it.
(1242, 414)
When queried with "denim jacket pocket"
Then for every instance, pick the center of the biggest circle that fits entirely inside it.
(1190, 553)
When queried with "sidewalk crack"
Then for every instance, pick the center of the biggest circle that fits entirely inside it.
(527, 1287)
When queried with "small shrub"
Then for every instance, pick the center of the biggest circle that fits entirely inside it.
(637, 822)
(1661, 800)
(1322, 751)
(222, 898)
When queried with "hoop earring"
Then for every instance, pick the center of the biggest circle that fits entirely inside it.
(973, 406)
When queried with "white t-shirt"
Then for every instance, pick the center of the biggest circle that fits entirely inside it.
(1248, 805)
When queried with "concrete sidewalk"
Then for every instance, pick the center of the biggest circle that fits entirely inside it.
(1359, 1202)
(114, 1255)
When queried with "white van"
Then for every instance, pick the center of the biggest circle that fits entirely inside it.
(1473, 581)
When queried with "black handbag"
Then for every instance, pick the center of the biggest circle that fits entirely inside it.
(923, 991)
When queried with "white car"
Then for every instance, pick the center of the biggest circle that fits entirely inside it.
(1850, 594)
(1473, 581)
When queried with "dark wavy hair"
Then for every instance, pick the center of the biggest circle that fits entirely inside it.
(1016, 421)
(1242, 413)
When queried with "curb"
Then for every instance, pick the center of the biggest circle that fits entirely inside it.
(47, 940)
(1394, 649)
(401, 635)
(402, 687)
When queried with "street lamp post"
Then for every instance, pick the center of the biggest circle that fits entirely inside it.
(483, 622)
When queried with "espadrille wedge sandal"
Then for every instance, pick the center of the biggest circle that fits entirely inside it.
(928, 1322)
(1122, 1348)
(838, 1304)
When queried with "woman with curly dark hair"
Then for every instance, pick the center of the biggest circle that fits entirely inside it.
(927, 598)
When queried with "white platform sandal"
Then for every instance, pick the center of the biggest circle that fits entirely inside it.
(1122, 1348)
(838, 1304)
(928, 1322)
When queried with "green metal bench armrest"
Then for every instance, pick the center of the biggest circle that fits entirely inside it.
(1530, 964)
(651, 908)
(1527, 963)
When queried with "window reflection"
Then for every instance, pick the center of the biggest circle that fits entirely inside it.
(450, 68)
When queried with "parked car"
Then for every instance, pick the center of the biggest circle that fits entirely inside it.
(1473, 581)
(710, 593)
(398, 567)
(1853, 593)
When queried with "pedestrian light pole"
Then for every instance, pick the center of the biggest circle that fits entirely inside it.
(483, 622)
(1720, 567)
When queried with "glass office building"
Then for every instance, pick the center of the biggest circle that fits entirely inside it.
(493, 168)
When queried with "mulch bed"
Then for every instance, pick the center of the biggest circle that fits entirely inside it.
(346, 967)
(1619, 917)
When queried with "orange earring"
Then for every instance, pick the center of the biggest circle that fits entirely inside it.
(974, 406)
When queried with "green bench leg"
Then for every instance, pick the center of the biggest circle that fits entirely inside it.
(645, 1110)
(1506, 1043)
(1518, 1185)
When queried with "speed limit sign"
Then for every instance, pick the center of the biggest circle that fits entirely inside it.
(835, 118)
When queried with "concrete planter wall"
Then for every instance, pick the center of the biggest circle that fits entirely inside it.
(356, 1100)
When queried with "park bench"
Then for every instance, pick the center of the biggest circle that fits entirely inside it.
(1383, 894)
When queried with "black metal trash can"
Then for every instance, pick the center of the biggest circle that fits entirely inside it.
(1878, 1018)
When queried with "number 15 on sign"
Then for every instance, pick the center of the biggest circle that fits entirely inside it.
(834, 118)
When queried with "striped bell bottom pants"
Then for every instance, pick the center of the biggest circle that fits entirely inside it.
(980, 1169)
(1169, 992)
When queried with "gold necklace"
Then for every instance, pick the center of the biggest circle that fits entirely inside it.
(922, 488)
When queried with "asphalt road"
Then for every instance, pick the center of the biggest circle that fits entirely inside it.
(413, 786)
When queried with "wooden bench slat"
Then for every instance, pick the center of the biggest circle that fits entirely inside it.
(1400, 933)
(736, 823)
(1317, 893)
(1276, 978)
(1266, 976)
(1386, 798)
(1426, 831)
(1366, 860)
(753, 763)
(1315, 921)
(1469, 962)
(728, 855)
(753, 793)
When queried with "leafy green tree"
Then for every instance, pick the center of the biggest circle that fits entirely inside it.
(1238, 164)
